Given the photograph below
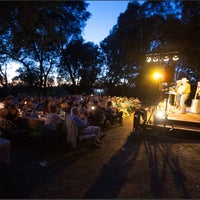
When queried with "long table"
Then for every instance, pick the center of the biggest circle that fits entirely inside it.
(34, 125)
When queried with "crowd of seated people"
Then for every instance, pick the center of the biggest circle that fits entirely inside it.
(98, 109)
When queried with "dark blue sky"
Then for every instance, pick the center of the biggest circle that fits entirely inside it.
(104, 16)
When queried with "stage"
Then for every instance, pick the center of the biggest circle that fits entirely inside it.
(188, 121)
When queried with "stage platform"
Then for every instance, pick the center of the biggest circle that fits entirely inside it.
(187, 122)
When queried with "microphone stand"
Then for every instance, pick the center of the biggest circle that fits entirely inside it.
(166, 120)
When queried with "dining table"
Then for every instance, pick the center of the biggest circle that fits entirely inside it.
(33, 123)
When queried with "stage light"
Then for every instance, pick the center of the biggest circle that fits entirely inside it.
(155, 59)
(162, 57)
(166, 58)
(157, 76)
(175, 58)
(148, 59)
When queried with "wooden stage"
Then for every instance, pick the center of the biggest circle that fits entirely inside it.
(188, 122)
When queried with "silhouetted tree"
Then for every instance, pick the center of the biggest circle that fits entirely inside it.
(38, 34)
(81, 64)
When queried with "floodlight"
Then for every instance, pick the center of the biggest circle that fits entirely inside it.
(157, 75)
(166, 58)
(155, 59)
(175, 58)
(148, 59)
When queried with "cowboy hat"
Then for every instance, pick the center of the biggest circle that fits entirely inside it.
(184, 80)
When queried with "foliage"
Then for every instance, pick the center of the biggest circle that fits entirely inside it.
(45, 38)
(81, 62)
(151, 27)
(38, 33)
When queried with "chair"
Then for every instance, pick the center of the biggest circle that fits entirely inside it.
(72, 133)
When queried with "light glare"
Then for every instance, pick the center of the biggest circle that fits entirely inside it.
(160, 114)
(157, 75)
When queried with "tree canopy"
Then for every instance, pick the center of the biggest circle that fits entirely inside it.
(46, 39)
(149, 28)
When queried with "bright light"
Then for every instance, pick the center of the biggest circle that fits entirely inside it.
(160, 114)
(155, 59)
(166, 58)
(175, 58)
(11, 70)
(148, 59)
(162, 57)
(157, 75)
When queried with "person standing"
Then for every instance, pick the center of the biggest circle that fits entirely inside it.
(197, 96)
(178, 90)
(185, 93)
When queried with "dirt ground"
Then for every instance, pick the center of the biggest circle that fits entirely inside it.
(157, 164)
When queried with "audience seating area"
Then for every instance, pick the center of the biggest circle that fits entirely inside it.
(30, 114)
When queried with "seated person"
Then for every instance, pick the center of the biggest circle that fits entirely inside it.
(8, 101)
(63, 108)
(84, 110)
(11, 115)
(123, 106)
(112, 113)
(21, 104)
(82, 124)
(52, 123)
(96, 115)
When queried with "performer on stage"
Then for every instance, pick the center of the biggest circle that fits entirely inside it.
(185, 93)
(178, 90)
(197, 96)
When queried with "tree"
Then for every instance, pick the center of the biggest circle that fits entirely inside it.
(191, 40)
(39, 32)
(124, 47)
(142, 29)
(81, 63)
